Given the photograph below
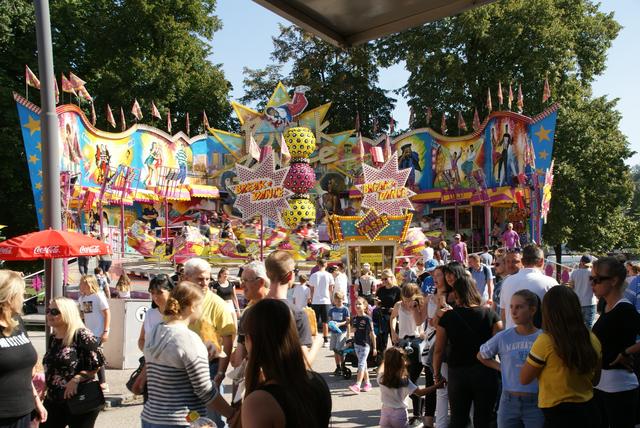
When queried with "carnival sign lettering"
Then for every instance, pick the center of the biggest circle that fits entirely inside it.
(384, 189)
(372, 224)
(46, 250)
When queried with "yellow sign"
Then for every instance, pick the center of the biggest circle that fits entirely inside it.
(371, 258)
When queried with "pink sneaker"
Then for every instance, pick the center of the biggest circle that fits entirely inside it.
(367, 387)
(355, 388)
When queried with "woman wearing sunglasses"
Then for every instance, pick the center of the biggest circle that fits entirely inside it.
(18, 397)
(387, 295)
(617, 329)
(73, 357)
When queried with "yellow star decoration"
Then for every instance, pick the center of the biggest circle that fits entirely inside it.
(543, 134)
(33, 125)
(543, 154)
(539, 171)
(33, 159)
(39, 146)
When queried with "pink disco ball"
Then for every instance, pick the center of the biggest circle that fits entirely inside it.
(300, 178)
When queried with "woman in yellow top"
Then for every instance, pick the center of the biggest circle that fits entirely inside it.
(566, 359)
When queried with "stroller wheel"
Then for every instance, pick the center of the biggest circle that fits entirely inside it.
(346, 373)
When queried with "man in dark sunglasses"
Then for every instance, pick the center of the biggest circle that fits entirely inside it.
(581, 283)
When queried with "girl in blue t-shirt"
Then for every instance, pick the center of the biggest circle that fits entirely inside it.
(518, 403)
(363, 340)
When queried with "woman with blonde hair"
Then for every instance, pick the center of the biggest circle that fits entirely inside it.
(124, 286)
(96, 315)
(387, 295)
(177, 364)
(18, 397)
(73, 357)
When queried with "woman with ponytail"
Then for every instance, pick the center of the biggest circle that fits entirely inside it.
(178, 365)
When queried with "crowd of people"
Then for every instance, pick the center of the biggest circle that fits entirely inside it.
(484, 338)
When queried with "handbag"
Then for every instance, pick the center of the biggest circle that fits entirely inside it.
(137, 382)
(89, 398)
(425, 348)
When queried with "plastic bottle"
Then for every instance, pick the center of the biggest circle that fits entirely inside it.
(197, 421)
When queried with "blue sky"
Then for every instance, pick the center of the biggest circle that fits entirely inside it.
(245, 41)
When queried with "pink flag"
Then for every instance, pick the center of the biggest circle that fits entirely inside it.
(520, 99)
(387, 148)
(546, 92)
(427, 115)
(93, 114)
(136, 111)
(284, 151)
(489, 105)
(461, 123)
(253, 149)
(66, 85)
(500, 99)
(361, 148)
(76, 82)
(443, 124)
(476, 120)
(82, 91)
(55, 84)
(169, 121)
(110, 118)
(154, 111)
(123, 123)
(30, 78)
(376, 154)
(205, 121)
(510, 99)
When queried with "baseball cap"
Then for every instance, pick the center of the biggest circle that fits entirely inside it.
(456, 236)
(586, 259)
(430, 265)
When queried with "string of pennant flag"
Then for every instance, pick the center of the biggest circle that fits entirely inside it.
(77, 87)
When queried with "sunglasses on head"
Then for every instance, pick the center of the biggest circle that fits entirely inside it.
(597, 279)
(514, 250)
(53, 311)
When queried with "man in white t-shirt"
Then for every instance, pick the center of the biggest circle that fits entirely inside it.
(301, 293)
(530, 277)
(340, 282)
(581, 284)
(321, 283)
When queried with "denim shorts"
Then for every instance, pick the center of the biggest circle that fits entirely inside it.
(519, 411)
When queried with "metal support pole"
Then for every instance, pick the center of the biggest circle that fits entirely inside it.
(50, 149)
(122, 227)
(487, 224)
(261, 238)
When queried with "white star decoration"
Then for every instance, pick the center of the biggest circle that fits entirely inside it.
(271, 206)
(391, 200)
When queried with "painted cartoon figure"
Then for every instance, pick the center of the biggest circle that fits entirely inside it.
(71, 145)
(283, 115)
(152, 163)
(103, 159)
(496, 155)
(507, 147)
(181, 160)
(455, 157)
(409, 159)
(468, 164)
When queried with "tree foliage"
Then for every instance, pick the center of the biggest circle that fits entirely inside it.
(124, 49)
(347, 78)
(454, 61)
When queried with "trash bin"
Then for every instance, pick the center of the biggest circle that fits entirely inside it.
(127, 316)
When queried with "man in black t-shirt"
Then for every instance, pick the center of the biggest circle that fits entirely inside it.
(281, 268)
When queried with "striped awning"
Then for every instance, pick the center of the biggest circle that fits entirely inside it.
(204, 191)
(146, 196)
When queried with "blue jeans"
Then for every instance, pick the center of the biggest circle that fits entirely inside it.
(588, 314)
(146, 424)
(215, 416)
(519, 411)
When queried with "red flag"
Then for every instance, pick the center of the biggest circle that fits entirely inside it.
(500, 99)
(510, 100)
(30, 78)
(376, 154)
(361, 148)
(123, 124)
(76, 82)
(188, 126)
(427, 115)
(154, 111)
(205, 121)
(520, 99)
(285, 156)
(253, 150)
(443, 124)
(476, 120)
(387, 148)
(461, 123)
(93, 114)
(110, 118)
(489, 105)
(82, 91)
(55, 84)
(66, 86)
(136, 111)
(169, 121)
(357, 121)
(546, 92)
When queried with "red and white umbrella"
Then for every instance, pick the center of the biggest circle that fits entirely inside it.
(51, 244)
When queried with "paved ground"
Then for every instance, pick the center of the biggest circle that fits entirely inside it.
(349, 410)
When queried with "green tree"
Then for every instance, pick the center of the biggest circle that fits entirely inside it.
(347, 78)
(452, 62)
(149, 50)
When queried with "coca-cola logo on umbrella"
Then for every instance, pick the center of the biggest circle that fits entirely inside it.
(89, 249)
(49, 249)
(6, 250)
